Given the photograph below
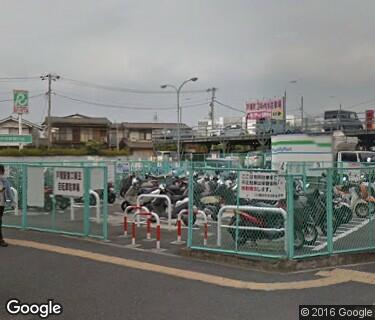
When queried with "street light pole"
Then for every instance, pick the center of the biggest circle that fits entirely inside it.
(179, 116)
(284, 112)
(284, 106)
(302, 120)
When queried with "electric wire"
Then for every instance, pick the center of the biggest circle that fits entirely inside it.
(123, 106)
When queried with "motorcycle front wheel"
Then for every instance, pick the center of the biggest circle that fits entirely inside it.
(243, 235)
(345, 213)
(310, 233)
(48, 205)
(362, 210)
(63, 203)
(299, 239)
(335, 225)
(111, 198)
(185, 219)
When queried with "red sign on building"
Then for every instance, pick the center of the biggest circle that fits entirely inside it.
(268, 109)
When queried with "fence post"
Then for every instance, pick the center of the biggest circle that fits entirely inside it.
(86, 201)
(53, 216)
(190, 208)
(236, 213)
(105, 203)
(24, 196)
(371, 181)
(290, 216)
(329, 207)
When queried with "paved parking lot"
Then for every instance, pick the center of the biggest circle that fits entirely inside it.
(93, 280)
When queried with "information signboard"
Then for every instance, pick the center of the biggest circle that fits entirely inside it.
(68, 182)
(261, 185)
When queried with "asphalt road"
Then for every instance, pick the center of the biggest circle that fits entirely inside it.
(91, 289)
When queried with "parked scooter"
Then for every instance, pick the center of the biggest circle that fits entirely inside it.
(111, 195)
(263, 222)
(356, 197)
(61, 202)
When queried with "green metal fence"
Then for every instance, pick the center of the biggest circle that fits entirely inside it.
(269, 214)
(68, 199)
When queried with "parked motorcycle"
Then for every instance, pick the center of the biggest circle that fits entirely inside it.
(264, 222)
(61, 202)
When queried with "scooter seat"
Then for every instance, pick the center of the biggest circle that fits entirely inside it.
(175, 198)
(146, 190)
(174, 189)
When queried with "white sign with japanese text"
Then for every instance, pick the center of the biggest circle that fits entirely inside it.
(123, 167)
(261, 186)
(68, 182)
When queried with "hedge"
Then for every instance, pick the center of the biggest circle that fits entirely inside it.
(40, 152)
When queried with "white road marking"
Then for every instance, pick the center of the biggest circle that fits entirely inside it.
(344, 234)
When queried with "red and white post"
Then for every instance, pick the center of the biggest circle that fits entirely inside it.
(134, 227)
(125, 225)
(148, 237)
(205, 239)
(126, 217)
(179, 227)
(158, 236)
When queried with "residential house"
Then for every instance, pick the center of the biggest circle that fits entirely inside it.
(10, 126)
(139, 137)
(77, 129)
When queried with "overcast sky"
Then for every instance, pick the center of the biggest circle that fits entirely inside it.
(247, 49)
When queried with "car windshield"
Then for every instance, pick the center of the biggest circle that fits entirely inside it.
(367, 157)
(353, 115)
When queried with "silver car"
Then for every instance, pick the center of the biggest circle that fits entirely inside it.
(234, 130)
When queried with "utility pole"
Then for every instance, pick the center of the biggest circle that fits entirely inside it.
(50, 77)
(117, 138)
(302, 124)
(212, 105)
(284, 112)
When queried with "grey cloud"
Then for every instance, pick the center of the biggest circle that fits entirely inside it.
(248, 49)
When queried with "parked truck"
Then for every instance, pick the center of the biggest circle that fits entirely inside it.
(305, 153)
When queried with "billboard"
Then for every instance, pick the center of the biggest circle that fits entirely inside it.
(20, 101)
(266, 109)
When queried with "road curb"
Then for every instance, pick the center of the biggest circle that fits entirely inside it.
(281, 265)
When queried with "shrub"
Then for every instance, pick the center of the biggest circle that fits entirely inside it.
(40, 152)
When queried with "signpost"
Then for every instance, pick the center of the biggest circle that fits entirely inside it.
(262, 186)
(20, 106)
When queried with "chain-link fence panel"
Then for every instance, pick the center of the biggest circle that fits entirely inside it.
(353, 209)
(14, 173)
(245, 209)
(59, 198)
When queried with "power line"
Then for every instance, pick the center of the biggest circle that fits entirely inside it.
(117, 106)
(18, 78)
(230, 107)
(153, 105)
(122, 89)
(361, 103)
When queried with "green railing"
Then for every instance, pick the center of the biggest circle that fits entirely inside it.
(331, 211)
(48, 201)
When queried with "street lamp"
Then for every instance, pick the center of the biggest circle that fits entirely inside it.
(179, 117)
(284, 111)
